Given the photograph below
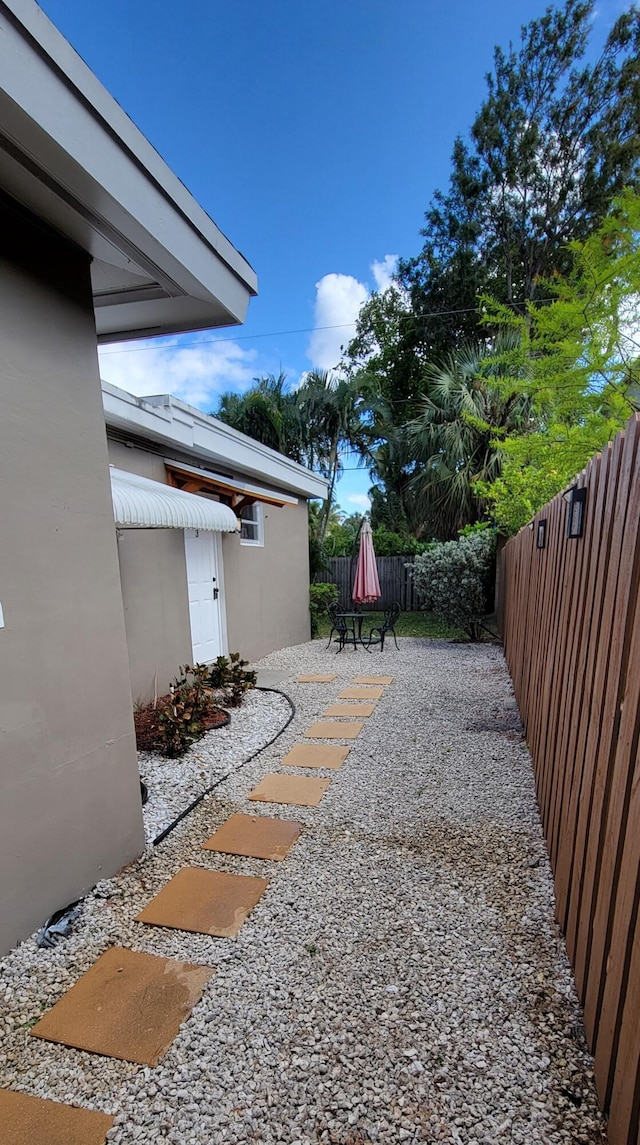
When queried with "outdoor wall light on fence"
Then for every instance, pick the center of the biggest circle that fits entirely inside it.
(577, 499)
(541, 534)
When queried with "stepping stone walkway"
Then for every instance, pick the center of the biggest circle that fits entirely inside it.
(26, 1120)
(130, 1005)
(365, 710)
(331, 729)
(316, 755)
(204, 902)
(255, 836)
(297, 789)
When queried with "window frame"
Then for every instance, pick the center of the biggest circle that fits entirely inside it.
(258, 522)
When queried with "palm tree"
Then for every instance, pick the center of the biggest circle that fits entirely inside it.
(335, 411)
(270, 413)
(455, 436)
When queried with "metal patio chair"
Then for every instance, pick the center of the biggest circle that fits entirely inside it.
(391, 615)
(344, 634)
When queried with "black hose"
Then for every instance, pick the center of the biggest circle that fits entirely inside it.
(208, 790)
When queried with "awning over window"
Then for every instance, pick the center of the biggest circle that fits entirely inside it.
(139, 503)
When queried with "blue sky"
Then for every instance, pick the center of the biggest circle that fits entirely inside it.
(314, 134)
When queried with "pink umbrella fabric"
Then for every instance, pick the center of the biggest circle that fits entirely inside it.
(366, 586)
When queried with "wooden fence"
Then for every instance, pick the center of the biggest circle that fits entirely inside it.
(571, 626)
(396, 581)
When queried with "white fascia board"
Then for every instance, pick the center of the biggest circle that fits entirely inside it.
(170, 422)
(70, 154)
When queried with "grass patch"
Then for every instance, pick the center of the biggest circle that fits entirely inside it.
(425, 625)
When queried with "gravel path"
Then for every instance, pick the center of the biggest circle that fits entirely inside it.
(402, 979)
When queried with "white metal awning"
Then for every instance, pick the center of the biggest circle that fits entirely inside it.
(139, 503)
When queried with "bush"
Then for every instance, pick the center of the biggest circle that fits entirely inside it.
(452, 577)
(231, 678)
(320, 597)
(192, 707)
(389, 544)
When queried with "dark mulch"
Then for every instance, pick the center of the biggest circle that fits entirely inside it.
(148, 728)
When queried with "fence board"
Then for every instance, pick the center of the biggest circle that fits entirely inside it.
(571, 628)
(396, 582)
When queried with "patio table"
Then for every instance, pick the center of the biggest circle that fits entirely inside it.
(356, 619)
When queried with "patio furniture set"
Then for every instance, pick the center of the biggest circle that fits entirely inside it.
(347, 626)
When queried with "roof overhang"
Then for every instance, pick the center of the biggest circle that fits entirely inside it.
(179, 428)
(140, 503)
(70, 155)
(237, 493)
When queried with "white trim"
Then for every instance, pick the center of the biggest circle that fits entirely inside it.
(170, 422)
(224, 639)
(139, 503)
(72, 156)
(258, 543)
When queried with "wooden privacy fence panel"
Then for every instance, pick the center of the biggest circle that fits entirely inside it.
(396, 581)
(571, 628)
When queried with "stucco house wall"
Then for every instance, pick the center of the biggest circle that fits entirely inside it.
(153, 575)
(267, 589)
(70, 808)
(265, 594)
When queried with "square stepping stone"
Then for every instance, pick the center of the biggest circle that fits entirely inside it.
(316, 755)
(205, 902)
(297, 789)
(373, 680)
(333, 729)
(361, 694)
(315, 679)
(27, 1120)
(128, 1005)
(255, 836)
(350, 710)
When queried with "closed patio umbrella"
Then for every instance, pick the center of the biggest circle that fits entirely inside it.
(366, 586)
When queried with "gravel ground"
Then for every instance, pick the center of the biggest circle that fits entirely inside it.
(402, 979)
(174, 783)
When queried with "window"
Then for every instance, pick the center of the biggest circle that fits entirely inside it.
(252, 525)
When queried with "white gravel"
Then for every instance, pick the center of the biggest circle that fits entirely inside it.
(402, 979)
(174, 783)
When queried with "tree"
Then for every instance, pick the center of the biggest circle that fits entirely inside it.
(458, 432)
(270, 413)
(553, 142)
(335, 411)
(326, 417)
(577, 364)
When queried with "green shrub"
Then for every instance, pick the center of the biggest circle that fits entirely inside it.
(230, 676)
(389, 544)
(453, 578)
(320, 597)
(182, 719)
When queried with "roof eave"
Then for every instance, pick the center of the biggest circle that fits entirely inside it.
(172, 423)
(71, 156)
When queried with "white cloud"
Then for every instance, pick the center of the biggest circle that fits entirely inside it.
(360, 500)
(338, 301)
(197, 374)
(384, 271)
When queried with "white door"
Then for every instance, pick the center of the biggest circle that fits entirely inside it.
(206, 607)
